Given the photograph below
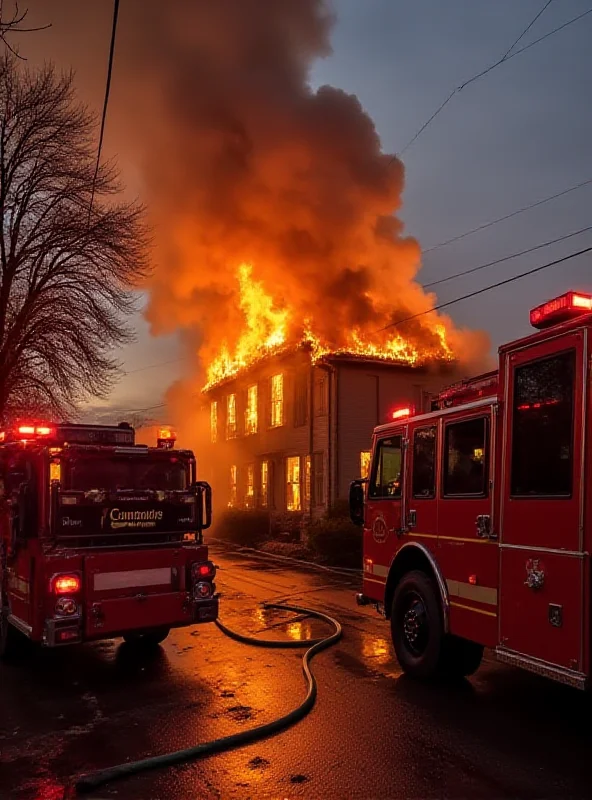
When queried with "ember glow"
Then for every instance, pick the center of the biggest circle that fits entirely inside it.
(266, 326)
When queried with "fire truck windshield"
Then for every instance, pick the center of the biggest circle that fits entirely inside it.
(135, 472)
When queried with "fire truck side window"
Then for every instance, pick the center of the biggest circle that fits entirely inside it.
(386, 470)
(424, 463)
(542, 433)
(465, 453)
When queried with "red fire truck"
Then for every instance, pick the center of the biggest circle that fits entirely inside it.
(477, 517)
(100, 537)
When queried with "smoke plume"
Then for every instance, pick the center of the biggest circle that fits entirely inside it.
(242, 160)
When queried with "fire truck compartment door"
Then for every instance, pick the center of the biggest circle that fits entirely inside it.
(542, 564)
(132, 590)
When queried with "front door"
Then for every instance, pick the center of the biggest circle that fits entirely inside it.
(383, 509)
(542, 547)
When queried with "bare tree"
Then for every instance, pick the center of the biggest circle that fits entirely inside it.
(13, 24)
(66, 280)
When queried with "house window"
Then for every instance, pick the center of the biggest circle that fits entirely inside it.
(264, 499)
(365, 457)
(293, 497)
(250, 488)
(307, 466)
(543, 427)
(231, 416)
(465, 458)
(214, 420)
(301, 399)
(318, 487)
(233, 485)
(277, 400)
(320, 398)
(251, 411)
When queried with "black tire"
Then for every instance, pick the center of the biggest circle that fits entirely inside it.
(417, 627)
(461, 657)
(149, 638)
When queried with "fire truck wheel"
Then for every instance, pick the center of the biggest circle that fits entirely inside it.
(416, 625)
(147, 638)
(461, 657)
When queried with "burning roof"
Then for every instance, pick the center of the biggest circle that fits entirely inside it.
(267, 327)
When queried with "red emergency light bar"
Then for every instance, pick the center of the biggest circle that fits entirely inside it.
(560, 309)
(122, 434)
(401, 413)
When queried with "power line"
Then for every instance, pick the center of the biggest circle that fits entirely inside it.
(525, 31)
(152, 366)
(507, 216)
(485, 289)
(493, 66)
(506, 258)
(105, 104)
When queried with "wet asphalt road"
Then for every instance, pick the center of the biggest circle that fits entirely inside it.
(372, 734)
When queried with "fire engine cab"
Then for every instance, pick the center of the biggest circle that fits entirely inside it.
(100, 537)
(477, 517)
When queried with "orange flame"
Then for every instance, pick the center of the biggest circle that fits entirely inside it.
(266, 331)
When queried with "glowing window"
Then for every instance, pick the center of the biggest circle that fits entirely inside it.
(214, 420)
(251, 411)
(232, 495)
(250, 488)
(231, 416)
(365, 463)
(293, 498)
(264, 484)
(277, 400)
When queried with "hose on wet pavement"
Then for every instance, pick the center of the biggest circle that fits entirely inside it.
(92, 780)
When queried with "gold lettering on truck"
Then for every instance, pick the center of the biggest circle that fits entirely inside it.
(135, 519)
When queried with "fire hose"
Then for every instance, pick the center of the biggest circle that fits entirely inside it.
(92, 780)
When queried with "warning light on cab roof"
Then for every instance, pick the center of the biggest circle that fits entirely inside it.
(401, 413)
(561, 309)
(166, 438)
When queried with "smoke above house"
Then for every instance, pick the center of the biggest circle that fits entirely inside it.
(274, 206)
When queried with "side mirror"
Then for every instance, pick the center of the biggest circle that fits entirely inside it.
(356, 502)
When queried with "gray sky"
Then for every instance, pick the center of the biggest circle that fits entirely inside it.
(518, 134)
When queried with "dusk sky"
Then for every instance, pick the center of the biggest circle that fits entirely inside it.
(517, 135)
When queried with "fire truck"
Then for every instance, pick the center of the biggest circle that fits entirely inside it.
(477, 516)
(100, 537)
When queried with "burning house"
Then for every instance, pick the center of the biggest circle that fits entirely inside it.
(290, 423)
(289, 433)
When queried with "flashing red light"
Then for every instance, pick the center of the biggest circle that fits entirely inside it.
(35, 430)
(560, 309)
(66, 584)
(401, 413)
(207, 570)
(473, 580)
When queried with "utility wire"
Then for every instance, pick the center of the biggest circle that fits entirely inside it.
(505, 258)
(105, 104)
(507, 216)
(525, 31)
(152, 366)
(485, 289)
(493, 66)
